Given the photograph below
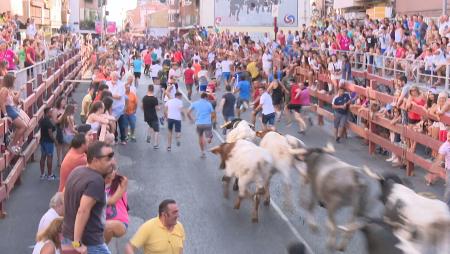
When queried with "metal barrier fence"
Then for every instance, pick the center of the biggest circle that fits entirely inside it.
(374, 122)
(41, 90)
(417, 71)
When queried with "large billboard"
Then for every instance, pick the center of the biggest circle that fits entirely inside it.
(255, 12)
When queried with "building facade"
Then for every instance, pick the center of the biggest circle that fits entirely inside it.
(429, 8)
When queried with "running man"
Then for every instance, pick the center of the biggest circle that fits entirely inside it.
(174, 112)
(137, 67)
(203, 111)
(150, 105)
(268, 110)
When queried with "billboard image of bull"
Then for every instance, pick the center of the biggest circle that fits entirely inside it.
(255, 12)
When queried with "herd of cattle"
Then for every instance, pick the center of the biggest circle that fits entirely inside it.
(411, 222)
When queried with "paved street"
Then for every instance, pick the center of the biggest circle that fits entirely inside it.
(211, 224)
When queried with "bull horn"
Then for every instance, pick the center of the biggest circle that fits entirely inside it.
(427, 195)
(352, 226)
(372, 174)
(300, 151)
(329, 148)
(214, 149)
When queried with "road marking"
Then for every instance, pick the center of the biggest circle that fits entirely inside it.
(272, 202)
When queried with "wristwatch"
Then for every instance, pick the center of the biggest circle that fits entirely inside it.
(76, 244)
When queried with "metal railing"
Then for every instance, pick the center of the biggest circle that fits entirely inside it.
(417, 71)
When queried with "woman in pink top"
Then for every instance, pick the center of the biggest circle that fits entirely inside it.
(8, 55)
(117, 206)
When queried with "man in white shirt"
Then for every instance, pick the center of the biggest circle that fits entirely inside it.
(56, 210)
(117, 88)
(444, 26)
(268, 110)
(155, 69)
(267, 62)
(174, 112)
(226, 69)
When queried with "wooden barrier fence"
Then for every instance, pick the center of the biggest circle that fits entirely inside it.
(370, 134)
(39, 97)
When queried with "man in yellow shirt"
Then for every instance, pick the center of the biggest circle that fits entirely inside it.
(160, 235)
(252, 68)
(86, 104)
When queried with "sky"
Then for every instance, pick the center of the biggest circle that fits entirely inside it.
(117, 9)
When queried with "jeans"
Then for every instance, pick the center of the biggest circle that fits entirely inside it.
(91, 249)
(122, 122)
(130, 121)
(98, 249)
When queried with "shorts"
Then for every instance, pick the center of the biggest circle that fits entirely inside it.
(205, 129)
(12, 112)
(137, 75)
(228, 118)
(154, 124)
(226, 75)
(47, 148)
(340, 120)
(268, 119)
(295, 107)
(172, 122)
(130, 120)
(202, 88)
(240, 102)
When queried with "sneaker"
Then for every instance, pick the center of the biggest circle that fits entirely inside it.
(51, 177)
(161, 120)
(169, 149)
(133, 138)
(203, 156)
(390, 159)
(123, 142)
(43, 177)
(155, 147)
(338, 140)
(149, 139)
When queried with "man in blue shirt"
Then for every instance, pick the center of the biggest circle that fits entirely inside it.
(244, 89)
(203, 110)
(341, 103)
(137, 68)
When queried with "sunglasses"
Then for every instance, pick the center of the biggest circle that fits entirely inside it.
(110, 156)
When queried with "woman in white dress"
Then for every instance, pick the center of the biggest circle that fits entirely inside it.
(48, 241)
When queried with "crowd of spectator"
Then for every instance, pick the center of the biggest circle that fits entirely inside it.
(261, 75)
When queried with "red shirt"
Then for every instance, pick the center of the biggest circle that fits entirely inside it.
(415, 116)
(148, 59)
(400, 52)
(30, 51)
(282, 39)
(212, 87)
(294, 90)
(189, 76)
(178, 56)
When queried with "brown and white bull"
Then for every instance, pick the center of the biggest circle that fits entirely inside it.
(252, 165)
(335, 184)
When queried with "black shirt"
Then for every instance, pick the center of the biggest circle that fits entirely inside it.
(88, 182)
(228, 106)
(46, 125)
(341, 100)
(370, 40)
(149, 104)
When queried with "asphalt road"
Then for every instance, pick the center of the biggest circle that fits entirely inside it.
(211, 224)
